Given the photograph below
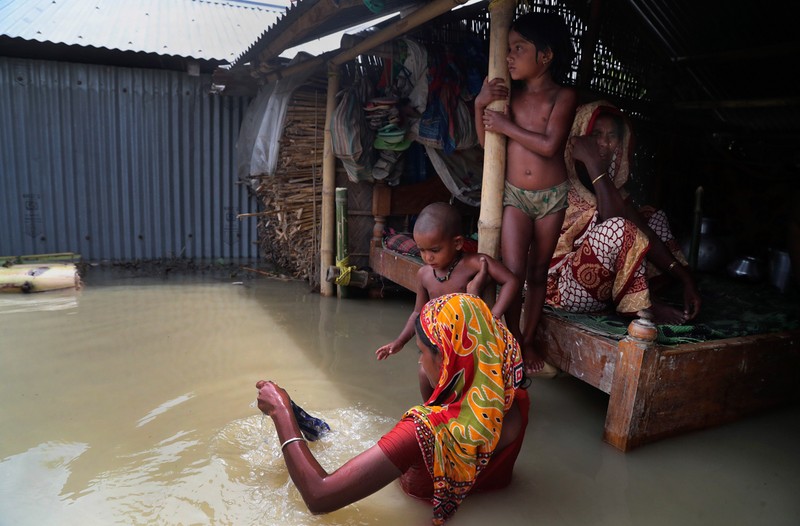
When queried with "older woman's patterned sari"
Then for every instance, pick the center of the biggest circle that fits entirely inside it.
(597, 264)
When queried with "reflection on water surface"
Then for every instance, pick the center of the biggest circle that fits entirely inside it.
(130, 402)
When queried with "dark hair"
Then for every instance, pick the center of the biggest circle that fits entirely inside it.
(548, 30)
(424, 337)
(439, 217)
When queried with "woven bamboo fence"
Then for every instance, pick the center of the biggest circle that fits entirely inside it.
(289, 222)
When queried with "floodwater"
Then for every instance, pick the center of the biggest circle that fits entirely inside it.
(131, 402)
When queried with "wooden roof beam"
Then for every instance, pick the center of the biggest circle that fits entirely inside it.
(416, 18)
(305, 25)
(780, 102)
(788, 50)
(345, 54)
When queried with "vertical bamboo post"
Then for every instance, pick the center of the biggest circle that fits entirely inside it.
(328, 186)
(494, 161)
(694, 248)
(342, 260)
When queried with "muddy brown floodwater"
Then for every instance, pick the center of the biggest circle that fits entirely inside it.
(131, 402)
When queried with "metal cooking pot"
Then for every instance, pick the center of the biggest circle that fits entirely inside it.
(747, 267)
(780, 269)
(712, 252)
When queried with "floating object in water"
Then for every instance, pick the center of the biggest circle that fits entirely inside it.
(312, 427)
(38, 277)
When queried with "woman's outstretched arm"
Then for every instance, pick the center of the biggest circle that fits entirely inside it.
(322, 492)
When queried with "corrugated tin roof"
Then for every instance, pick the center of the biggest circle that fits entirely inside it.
(204, 30)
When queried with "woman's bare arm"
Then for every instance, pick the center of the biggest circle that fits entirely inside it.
(322, 492)
(609, 201)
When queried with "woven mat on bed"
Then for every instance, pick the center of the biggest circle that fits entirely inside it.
(730, 308)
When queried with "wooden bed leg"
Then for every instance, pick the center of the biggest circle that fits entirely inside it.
(629, 388)
(381, 208)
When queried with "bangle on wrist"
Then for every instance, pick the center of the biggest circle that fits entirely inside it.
(672, 265)
(295, 439)
(599, 177)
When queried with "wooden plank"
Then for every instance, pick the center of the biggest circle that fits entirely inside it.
(585, 355)
(395, 267)
(703, 385)
(409, 199)
(305, 25)
(658, 391)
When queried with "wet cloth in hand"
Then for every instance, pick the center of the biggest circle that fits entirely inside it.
(312, 427)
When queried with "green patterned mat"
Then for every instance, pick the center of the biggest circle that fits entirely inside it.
(730, 308)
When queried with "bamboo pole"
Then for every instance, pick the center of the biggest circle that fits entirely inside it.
(328, 186)
(342, 236)
(39, 277)
(494, 161)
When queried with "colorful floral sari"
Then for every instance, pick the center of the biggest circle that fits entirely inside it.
(459, 426)
(597, 264)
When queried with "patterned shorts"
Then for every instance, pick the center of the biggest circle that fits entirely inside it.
(537, 204)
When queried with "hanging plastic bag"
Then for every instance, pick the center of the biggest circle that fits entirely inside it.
(351, 138)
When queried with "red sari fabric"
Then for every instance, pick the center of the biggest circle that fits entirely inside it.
(458, 428)
(400, 445)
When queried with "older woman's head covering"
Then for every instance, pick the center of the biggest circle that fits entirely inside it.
(459, 426)
(620, 168)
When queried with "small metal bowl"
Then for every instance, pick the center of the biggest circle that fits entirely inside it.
(747, 267)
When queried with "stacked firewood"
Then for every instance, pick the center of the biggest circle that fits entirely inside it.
(289, 226)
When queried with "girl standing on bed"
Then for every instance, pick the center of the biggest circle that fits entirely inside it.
(536, 125)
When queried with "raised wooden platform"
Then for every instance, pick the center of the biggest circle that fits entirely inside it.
(654, 391)
(657, 391)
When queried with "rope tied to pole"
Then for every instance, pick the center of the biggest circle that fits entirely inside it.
(345, 271)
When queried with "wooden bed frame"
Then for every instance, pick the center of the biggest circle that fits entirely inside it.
(654, 391)
(400, 201)
(657, 391)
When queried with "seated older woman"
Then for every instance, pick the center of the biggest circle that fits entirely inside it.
(464, 438)
(600, 260)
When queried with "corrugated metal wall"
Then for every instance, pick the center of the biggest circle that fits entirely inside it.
(120, 164)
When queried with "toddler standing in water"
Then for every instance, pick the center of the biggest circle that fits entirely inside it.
(536, 124)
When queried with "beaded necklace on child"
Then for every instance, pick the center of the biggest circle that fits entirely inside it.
(449, 270)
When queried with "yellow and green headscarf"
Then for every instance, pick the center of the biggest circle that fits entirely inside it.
(459, 426)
